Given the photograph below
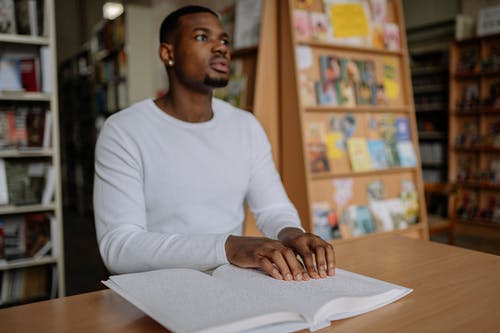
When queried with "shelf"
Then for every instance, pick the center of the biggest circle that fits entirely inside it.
(20, 209)
(360, 108)
(483, 111)
(246, 51)
(428, 70)
(431, 107)
(480, 222)
(352, 48)
(475, 74)
(19, 153)
(26, 262)
(480, 185)
(433, 165)
(24, 39)
(477, 149)
(431, 136)
(412, 228)
(24, 96)
(389, 171)
(436, 88)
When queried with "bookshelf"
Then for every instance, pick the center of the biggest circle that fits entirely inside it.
(336, 194)
(30, 143)
(474, 143)
(430, 76)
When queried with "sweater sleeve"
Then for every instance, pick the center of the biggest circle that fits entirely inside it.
(125, 243)
(266, 195)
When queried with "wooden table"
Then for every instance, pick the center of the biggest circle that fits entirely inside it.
(455, 290)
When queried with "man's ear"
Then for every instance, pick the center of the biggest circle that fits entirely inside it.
(166, 54)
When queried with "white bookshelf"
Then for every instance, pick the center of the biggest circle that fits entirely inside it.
(12, 42)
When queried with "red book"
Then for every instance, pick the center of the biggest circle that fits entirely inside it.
(29, 74)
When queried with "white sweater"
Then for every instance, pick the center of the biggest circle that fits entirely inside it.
(168, 193)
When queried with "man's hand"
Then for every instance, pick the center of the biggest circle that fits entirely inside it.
(318, 255)
(272, 256)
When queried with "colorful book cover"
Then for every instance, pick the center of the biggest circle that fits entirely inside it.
(375, 190)
(319, 26)
(388, 131)
(406, 154)
(335, 138)
(346, 93)
(329, 68)
(358, 220)
(378, 154)
(359, 154)
(326, 93)
(301, 24)
(317, 148)
(307, 90)
(402, 129)
(30, 77)
(391, 37)
(364, 94)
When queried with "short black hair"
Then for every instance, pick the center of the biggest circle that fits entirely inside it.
(170, 22)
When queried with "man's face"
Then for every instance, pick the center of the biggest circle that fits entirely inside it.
(201, 51)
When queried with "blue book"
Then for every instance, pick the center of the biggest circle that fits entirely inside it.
(378, 154)
(402, 129)
(406, 154)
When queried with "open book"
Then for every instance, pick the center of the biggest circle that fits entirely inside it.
(235, 300)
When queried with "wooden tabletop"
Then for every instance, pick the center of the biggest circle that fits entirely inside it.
(455, 290)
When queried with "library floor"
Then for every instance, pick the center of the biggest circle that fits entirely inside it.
(84, 268)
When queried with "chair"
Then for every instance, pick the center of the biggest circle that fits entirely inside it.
(438, 224)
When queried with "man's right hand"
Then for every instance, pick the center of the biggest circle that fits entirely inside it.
(272, 256)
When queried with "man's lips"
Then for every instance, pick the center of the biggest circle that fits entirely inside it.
(220, 65)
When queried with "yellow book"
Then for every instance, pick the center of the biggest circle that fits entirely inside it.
(359, 154)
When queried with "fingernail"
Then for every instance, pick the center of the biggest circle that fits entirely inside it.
(288, 276)
(331, 272)
(314, 275)
(277, 275)
(298, 277)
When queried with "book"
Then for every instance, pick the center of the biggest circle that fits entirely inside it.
(406, 154)
(23, 23)
(378, 154)
(359, 154)
(319, 26)
(301, 23)
(7, 17)
(326, 93)
(10, 74)
(234, 299)
(30, 77)
(392, 40)
(4, 192)
(402, 125)
(329, 68)
(247, 23)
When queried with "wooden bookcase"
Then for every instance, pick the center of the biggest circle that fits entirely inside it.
(474, 141)
(306, 187)
(29, 278)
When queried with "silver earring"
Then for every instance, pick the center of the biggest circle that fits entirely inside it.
(170, 63)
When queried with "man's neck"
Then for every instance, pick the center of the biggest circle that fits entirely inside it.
(195, 108)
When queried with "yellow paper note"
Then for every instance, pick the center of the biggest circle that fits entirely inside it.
(349, 20)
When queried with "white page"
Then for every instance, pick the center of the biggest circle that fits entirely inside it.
(185, 300)
(351, 293)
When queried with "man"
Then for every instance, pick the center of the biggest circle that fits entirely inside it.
(172, 174)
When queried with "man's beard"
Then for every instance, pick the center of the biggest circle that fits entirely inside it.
(215, 83)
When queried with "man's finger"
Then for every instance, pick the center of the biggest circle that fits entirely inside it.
(330, 260)
(270, 269)
(279, 261)
(295, 266)
(307, 258)
(321, 261)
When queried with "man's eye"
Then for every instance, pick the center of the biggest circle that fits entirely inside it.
(201, 37)
(225, 42)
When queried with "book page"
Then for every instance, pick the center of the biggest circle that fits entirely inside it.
(185, 300)
(343, 295)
